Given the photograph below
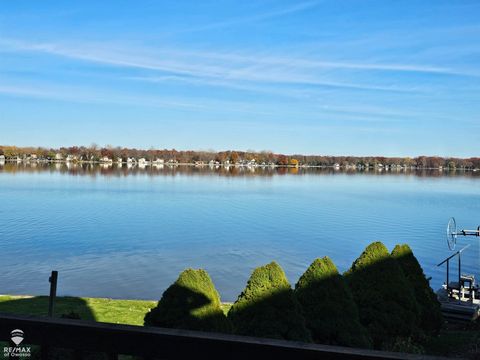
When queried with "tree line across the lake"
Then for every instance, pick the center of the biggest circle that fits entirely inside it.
(96, 153)
(383, 301)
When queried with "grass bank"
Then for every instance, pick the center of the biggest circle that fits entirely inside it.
(114, 311)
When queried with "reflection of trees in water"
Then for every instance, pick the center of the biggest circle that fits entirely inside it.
(87, 169)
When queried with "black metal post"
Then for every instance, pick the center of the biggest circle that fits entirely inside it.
(448, 272)
(45, 348)
(53, 292)
(459, 271)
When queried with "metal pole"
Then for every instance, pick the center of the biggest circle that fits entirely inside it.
(45, 349)
(53, 292)
(459, 270)
(448, 271)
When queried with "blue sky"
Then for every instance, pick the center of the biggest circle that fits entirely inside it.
(398, 78)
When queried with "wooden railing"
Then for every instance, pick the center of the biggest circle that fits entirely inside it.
(151, 342)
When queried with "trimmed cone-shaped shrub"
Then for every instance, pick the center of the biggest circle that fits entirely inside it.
(384, 297)
(327, 304)
(431, 319)
(191, 302)
(268, 308)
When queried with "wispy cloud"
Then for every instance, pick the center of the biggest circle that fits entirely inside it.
(85, 95)
(255, 18)
(323, 113)
(226, 68)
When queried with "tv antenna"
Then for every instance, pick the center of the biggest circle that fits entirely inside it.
(453, 233)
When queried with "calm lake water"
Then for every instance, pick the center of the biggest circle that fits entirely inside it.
(128, 233)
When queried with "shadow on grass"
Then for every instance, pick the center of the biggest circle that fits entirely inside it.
(38, 305)
(71, 307)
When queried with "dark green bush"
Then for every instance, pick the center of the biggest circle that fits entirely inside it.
(268, 308)
(191, 302)
(327, 304)
(431, 319)
(385, 299)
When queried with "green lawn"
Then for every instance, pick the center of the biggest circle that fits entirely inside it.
(98, 309)
(115, 311)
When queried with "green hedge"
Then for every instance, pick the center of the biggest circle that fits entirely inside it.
(384, 296)
(191, 302)
(268, 308)
(327, 304)
(431, 319)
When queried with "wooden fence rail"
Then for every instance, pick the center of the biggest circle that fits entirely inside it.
(151, 342)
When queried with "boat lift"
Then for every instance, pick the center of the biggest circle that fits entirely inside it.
(452, 233)
(462, 279)
(457, 298)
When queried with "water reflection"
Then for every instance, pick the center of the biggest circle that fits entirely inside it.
(119, 170)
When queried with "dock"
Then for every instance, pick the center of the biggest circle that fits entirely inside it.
(458, 308)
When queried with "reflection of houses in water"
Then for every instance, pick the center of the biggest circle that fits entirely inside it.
(106, 160)
(158, 163)
(70, 165)
(88, 168)
(143, 162)
(214, 164)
